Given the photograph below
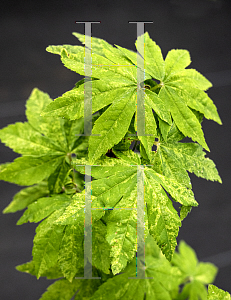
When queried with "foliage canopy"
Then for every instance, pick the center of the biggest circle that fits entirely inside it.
(54, 153)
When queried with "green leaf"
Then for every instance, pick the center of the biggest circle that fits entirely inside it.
(200, 101)
(28, 170)
(29, 267)
(175, 61)
(120, 287)
(57, 178)
(98, 46)
(75, 143)
(186, 260)
(194, 290)
(196, 274)
(117, 181)
(196, 99)
(87, 288)
(71, 256)
(112, 125)
(117, 187)
(164, 129)
(61, 290)
(158, 105)
(178, 191)
(214, 293)
(74, 211)
(174, 134)
(116, 73)
(154, 63)
(193, 159)
(121, 233)
(81, 289)
(173, 160)
(192, 77)
(129, 157)
(206, 272)
(22, 138)
(184, 118)
(100, 247)
(43, 207)
(150, 130)
(46, 244)
(51, 128)
(184, 211)
(27, 196)
(71, 103)
(58, 49)
(164, 221)
(151, 247)
(170, 163)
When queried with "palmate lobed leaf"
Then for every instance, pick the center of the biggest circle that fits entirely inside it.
(59, 238)
(174, 66)
(174, 159)
(117, 187)
(184, 118)
(101, 67)
(186, 260)
(193, 94)
(164, 280)
(193, 290)
(43, 144)
(170, 101)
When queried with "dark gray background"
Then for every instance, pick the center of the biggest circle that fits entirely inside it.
(202, 27)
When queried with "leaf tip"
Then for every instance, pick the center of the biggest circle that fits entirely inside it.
(6, 210)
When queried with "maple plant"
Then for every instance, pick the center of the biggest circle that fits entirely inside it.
(55, 154)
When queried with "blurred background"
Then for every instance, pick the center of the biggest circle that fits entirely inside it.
(202, 27)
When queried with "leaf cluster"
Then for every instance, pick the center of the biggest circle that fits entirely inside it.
(54, 155)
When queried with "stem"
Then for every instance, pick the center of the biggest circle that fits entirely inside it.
(156, 86)
(134, 145)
